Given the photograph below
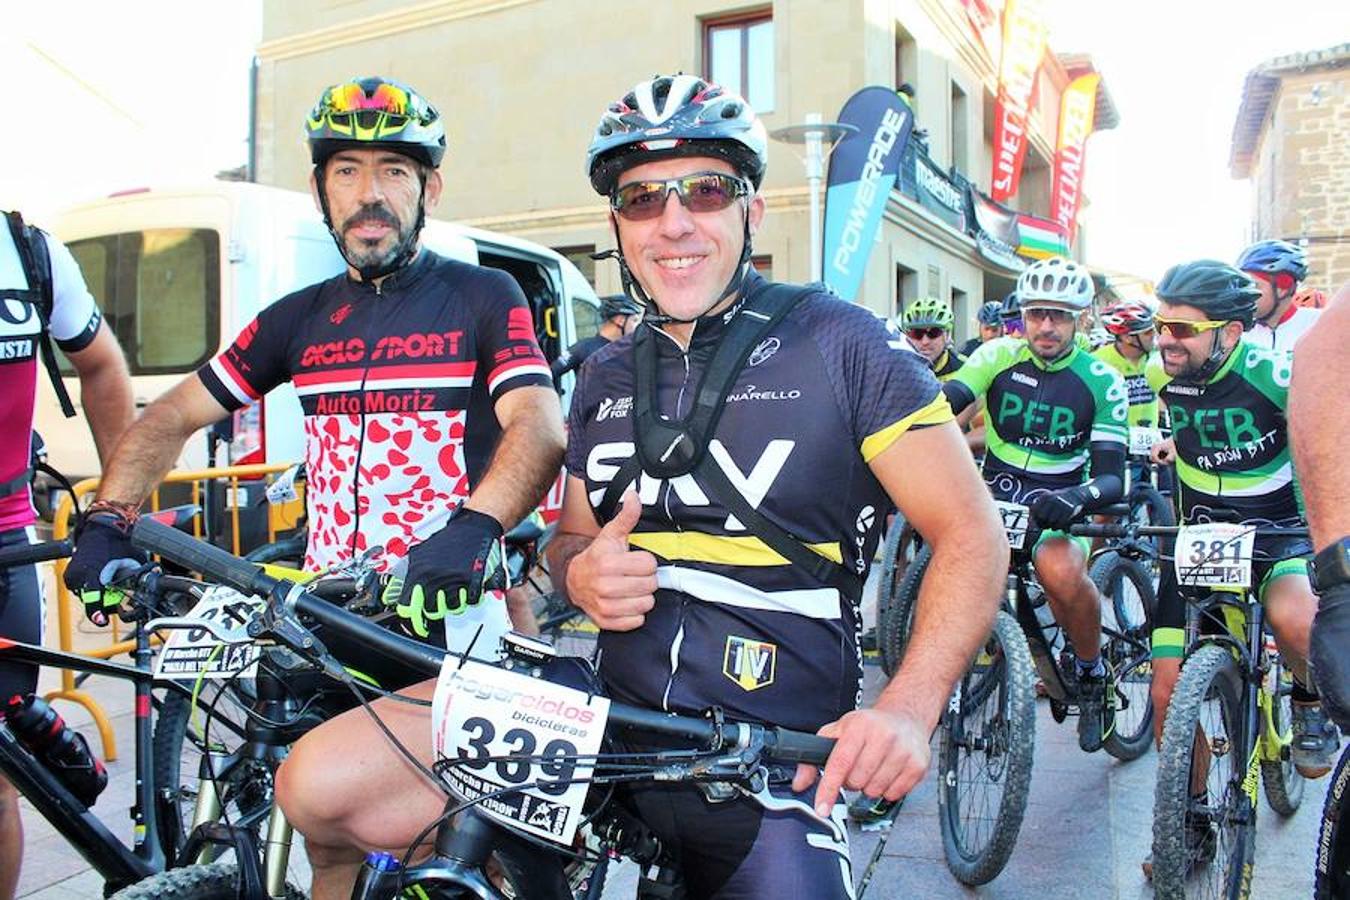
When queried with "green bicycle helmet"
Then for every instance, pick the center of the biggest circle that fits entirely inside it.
(928, 312)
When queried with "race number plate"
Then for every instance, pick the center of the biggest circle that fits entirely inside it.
(283, 489)
(194, 654)
(1016, 519)
(1215, 555)
(536, 726)
(1142, 439)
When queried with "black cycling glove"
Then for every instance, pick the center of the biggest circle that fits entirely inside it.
(1330, 654)
(1058, 509)
(447, 572)
(103, 553)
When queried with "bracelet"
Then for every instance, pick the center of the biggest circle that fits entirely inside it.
(126, 511)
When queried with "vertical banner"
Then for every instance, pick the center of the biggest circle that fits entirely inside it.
(863, 169)
(1077, 108)
(1023, 46)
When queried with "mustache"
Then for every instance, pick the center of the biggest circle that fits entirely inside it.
(372, 212)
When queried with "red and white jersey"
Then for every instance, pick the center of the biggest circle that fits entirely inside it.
(74, 323)
(397, 385)
(1292, 325)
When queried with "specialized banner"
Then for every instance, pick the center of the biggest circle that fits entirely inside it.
(863, 170)
(1077, 109)
(1023, 46)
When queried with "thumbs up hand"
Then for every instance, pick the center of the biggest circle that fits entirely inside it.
(612, 584)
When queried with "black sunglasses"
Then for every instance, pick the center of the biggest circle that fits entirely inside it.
(702, 192)
(921, 333)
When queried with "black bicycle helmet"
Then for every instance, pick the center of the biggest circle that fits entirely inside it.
(1273, 258)
(672, 116)
(990, 313)
(618, 305)
(1221, 291)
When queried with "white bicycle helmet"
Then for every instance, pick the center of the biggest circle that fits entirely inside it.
(1056, 282)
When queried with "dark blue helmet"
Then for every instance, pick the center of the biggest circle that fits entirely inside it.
(991, 313)
(1011, 308)
(1222, 292)
(1274, 257)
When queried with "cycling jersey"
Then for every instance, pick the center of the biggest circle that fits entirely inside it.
(74, 323)
(948, 364)
(1042, 419)
(1292, 325)
(1232, 448)
(734, 625)
(397, 384)
(1143, 399)
(1231, 437)
(575, 355)
(970, 346)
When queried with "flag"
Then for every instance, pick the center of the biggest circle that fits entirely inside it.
(1023, 46)
(1077, 107)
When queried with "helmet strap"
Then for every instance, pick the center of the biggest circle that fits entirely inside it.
(1217, 357)
(406, 250)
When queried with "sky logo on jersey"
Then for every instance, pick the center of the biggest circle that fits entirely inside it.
(767, 348)
(751, 664)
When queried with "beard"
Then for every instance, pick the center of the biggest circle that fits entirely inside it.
(363, 253)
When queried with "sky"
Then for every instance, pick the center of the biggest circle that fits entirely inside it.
(159, 93)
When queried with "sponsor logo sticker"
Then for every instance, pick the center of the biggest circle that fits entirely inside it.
(750, 664)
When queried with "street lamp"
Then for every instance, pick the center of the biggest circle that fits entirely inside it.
(814, 134)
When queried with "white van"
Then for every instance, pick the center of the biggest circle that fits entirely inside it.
(178, 273)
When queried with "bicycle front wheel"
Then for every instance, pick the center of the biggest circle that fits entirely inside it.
(218, 881)
(895, 619)
(1331, 878)
(988, 736)
(1204, 821)
(1128, 602)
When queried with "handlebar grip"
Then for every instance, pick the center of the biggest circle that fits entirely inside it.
(1101, 531)
(25, 554)
(799, 747)
(212, 562)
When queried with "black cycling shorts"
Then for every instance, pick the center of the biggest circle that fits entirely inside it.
(21, 616)
(1272, 557)
(737, 849)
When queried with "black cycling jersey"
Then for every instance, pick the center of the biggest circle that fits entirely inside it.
(397, 383)
(734, 625)
(575, 355)
(948, 364)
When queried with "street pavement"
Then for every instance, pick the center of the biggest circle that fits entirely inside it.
(1087, 826)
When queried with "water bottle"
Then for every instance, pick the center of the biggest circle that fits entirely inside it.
(42, 730)
(378, 878)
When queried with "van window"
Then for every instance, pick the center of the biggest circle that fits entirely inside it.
(541, 291)
(586, 317)
(160, 293)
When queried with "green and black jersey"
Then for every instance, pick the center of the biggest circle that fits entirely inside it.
(1232, 437)
(1043, 418)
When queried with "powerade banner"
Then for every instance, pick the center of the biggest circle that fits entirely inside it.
(1023, 47)
(863, 170)
(1077, 109)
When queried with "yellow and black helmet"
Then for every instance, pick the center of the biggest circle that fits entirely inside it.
(364, 113)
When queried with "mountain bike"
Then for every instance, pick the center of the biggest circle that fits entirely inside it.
(987, 734)
(502, 837)
(1228, 726)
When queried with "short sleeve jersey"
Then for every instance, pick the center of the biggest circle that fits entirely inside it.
(1042, 418)
(74, 324)
(1143, 399)
(948, 364)
(1232, 437)
(397, 386)
(1295, 323)
(734, 624)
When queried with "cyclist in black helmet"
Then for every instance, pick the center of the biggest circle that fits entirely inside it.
(423, 456)
(990, 318)
(732, 576)
(619, 315)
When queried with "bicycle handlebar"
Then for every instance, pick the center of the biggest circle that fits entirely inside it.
(1115, 530)
(24, 554)
(781, 744)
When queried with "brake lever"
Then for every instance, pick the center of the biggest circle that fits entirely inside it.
(277, 620)
(758, 791)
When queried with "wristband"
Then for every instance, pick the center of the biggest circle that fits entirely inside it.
(1331, 566)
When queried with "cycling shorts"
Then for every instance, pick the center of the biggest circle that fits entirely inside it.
(21, 615)
(1272, 557)
(737, 849)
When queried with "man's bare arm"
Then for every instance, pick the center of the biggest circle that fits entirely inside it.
(105, 391)
(1316, 420)
(150, 446)
(576, 529)
(932, 478)
(527, 458)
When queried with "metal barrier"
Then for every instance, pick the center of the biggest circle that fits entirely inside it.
(280, 517)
